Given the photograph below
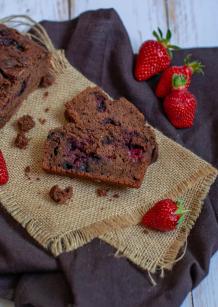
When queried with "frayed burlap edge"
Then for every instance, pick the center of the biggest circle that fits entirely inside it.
(74, 239)
(172, 255)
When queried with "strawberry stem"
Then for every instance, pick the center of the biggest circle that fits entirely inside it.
(165, 41)
(181, 211)
(178, 81)
(196, 66)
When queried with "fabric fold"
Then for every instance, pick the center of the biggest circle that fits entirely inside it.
(95, 276)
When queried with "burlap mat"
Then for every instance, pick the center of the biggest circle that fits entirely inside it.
(178, 172)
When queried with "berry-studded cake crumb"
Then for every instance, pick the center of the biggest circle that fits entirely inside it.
(25, 123)
(105, 140)
(102, 192)
(59, 195)
(21, 141)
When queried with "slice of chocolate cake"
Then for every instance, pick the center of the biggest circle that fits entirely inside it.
(107, 140)
(24, 66)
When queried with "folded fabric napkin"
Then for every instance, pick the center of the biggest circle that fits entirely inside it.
(177, 173)
(90, 43)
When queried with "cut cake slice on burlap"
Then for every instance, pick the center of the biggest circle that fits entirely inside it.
(106, 140)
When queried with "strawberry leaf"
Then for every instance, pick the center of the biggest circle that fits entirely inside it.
(160, 32)
(181, 220)
(180, 202)
(173, 47)
(196, 66)
(187, 59)
(169, 35)
(156, 35)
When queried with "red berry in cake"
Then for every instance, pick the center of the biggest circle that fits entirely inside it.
(136, 153)
(154, 56)
(165, 215)
(164, 85)
(3, 170)
(180, 104)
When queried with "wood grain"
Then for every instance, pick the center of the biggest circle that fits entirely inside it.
(193, 23)
(206, 294)
(37, 9)
(188, 302)
(139, 17)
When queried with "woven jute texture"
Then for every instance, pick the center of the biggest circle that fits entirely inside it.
(178, 172)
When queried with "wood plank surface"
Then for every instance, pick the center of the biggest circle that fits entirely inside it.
(206, 294)
(188, 302)
(194, 23)
(37, 9)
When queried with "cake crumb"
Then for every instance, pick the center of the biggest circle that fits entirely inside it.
(102, 192)
(25, 123)
(27, 171)
(38, 179)
(116, 195)
(59, 195)
(46, 109)
(45, 95)
(42, 121)
(21, 141)
(47, 80)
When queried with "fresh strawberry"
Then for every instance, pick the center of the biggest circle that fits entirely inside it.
(164, 85)
(180, 104)
(154, 56)
(3, 170)
(165, 215)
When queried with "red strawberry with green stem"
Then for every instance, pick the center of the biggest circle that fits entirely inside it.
(180, 105)
(3, 170)
(164, 85)
(165, 215)
(154, 56)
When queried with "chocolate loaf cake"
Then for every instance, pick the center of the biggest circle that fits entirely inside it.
(23, 66)
(106, 140)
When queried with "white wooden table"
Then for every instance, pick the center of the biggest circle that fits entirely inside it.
(193, 23)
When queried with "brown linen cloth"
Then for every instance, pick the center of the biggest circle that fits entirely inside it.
(97, 44)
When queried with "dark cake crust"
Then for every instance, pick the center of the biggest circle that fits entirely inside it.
(107, 140)
(23, 65)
